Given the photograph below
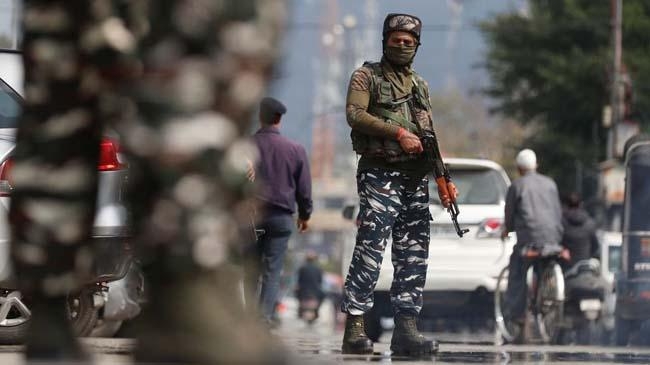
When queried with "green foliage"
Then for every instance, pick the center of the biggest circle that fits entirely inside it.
(465, 129)
(551, 68)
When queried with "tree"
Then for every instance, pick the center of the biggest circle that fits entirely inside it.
(466, 130)
(550, 68)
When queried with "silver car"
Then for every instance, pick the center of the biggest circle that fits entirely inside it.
(92, 311)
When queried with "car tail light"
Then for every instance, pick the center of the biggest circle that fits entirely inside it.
(109, 160)
(5, 181)
(490, 228)
(108, 155)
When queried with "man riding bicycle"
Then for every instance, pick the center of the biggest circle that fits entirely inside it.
(534, 213)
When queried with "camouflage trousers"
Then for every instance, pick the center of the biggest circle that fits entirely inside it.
(392, 205)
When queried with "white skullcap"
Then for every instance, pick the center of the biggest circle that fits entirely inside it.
(526, 159)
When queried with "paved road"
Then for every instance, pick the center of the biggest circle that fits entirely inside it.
(105, 351)
(321, 344)
(318, 347)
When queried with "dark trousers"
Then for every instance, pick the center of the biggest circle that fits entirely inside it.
(264, 273)
(515, 304)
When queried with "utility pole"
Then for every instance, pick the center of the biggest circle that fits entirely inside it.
(14, 24)
(328, 77)
(615, 96)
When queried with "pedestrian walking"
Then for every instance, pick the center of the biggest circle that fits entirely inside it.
(178, 81)
(387, 105)
(284, 181)
(534, 213)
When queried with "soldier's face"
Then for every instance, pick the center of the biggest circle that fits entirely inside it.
(401, 39)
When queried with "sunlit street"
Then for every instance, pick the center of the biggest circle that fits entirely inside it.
(320, 344)
(324, 182)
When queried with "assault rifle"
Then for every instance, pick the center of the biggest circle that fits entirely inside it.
(433, 157)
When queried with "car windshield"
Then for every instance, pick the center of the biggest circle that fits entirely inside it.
(475, 185)
(9, 106)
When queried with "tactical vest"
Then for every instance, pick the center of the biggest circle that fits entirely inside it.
(383, 105)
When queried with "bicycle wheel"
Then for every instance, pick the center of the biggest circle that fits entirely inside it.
(549, 305)
(502, 328)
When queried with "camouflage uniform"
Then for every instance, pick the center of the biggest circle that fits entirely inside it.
(392, 187)
(390, 202)
(387, 107)
(178, 80)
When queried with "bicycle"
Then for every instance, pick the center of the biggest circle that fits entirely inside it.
(545, 294)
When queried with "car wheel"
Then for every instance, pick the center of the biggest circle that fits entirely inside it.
(14, 318)
(13, 335)
(82, 313)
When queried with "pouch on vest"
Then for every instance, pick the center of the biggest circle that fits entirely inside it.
(359, 141)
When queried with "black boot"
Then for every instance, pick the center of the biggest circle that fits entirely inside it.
(355, 340)
(408, 341)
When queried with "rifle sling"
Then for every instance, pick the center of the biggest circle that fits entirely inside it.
(395, 117)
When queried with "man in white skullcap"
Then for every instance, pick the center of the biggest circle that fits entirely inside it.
(534, 213)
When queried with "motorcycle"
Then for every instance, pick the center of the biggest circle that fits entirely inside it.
(308, 307)
(583, 307)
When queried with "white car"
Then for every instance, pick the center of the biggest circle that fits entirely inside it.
(462, 272)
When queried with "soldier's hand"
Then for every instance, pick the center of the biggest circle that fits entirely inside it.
(443, 191)
(504, 234)
(409, 142)
(453, 192)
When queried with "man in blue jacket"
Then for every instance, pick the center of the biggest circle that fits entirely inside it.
(283, 169)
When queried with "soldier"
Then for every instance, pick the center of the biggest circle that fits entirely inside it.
(178, 80)
(387, 105)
